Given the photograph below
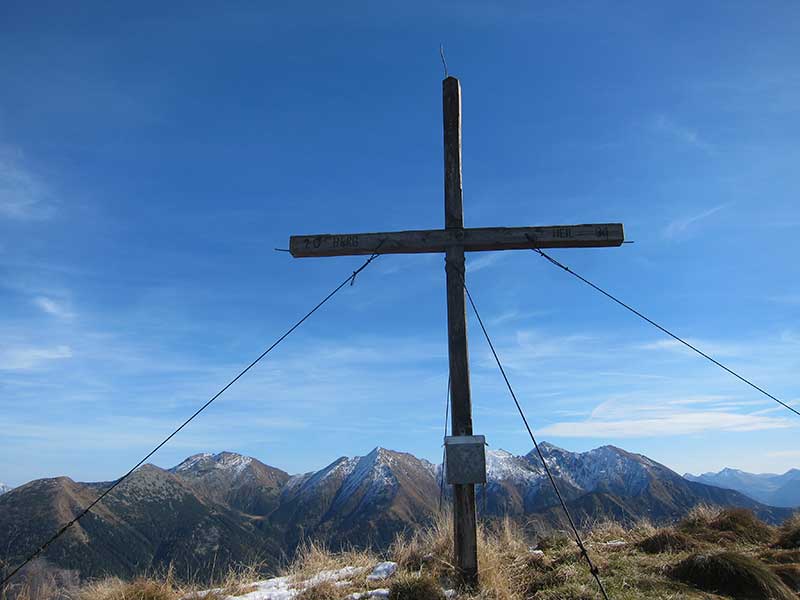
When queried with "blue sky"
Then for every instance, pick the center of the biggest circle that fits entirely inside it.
(152, 157)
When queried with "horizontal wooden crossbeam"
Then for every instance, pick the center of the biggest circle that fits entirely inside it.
(472, 239)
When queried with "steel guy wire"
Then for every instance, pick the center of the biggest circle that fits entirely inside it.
(444, 439)
(584, 552)
(350, 279)
(665, 330)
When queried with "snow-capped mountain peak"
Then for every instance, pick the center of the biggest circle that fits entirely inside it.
(504, 466)
(189, 463)
(225, 461)
(372, 473)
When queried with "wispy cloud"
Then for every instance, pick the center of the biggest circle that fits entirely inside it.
(23, 196)
(53, 307)
(517, 315)
(634, 418)
(709, 347)
(681, 225)
(484, 262)
(784, 454)
(25, 358)
(680, 133)
(675, 424)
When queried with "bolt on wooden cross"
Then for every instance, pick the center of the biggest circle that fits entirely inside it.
(454, 240)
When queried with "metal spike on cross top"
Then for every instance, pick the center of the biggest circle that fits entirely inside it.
(454, 240)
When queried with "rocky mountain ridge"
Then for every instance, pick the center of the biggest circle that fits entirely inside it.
(213, 510)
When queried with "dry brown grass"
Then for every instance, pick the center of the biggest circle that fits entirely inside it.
(734, 574)
(779, 556)
(325, 590)
(603, 531)
(510, 570)
(237, 581)
(667, 541)
(312, 557)
(789, 574)
(640, 567)
(699, 517)
(789, 533)
(138, 589)
(430, 547)
(415, 587)
(727, 527)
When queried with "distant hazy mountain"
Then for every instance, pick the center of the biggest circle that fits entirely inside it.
(775, 490)
(213, 510)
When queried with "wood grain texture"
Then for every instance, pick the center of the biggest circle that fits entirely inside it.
(451, 110)
(474, 239)
(465, 534)
(464, 521)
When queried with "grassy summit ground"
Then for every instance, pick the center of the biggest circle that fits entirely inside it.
(711, 554)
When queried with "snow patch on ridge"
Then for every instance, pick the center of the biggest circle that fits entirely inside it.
(504, 466)
(308, 482)
(226, 461)
(373, 471)
(191, 462)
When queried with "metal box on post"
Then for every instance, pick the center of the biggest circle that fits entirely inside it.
(465, 459)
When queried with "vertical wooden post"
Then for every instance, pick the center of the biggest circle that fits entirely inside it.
(465, 534)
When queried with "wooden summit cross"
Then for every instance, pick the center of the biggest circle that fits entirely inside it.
(454, 240)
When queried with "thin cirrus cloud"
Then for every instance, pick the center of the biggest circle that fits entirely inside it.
(634, 418)
(683, 224)
(27, 358)
(484, 262)
(682, 423)
(23, 196)
(709, 347)
(53, 307)
(670, 128)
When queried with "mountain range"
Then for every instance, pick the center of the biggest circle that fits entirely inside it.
(4, 488)
(214, 510)
(775, 490)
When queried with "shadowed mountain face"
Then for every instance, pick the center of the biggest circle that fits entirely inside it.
(148, 522)
(214, 510)
(776, 490)
(241, 482)
(360, 501)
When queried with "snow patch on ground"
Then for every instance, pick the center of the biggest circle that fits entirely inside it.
(337, 575)
(382, 571)
(286, 588)
(379, 593)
